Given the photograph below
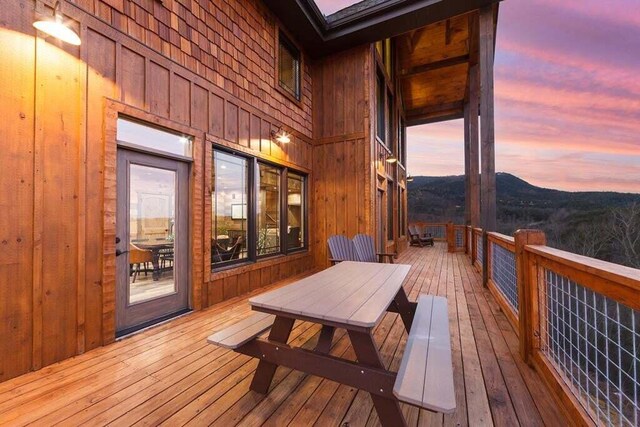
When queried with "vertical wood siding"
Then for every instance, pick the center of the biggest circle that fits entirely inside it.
(201, 65)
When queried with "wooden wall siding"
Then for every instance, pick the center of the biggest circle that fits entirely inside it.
(229, 43)
(342, 192)
(53, 266)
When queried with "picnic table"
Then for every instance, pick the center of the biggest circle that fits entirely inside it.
(354, 296)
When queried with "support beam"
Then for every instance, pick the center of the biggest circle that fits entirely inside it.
(487, 132)
(423, 68)
(474, 146)
(467, 166)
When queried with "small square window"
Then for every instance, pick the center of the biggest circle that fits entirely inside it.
(288, 66)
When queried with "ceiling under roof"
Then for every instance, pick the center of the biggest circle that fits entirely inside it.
(363, 22)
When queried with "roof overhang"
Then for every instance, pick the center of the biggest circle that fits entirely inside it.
(358, 24)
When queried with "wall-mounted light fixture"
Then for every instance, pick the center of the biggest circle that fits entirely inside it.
(281, 136)
(409, 178)
(55, 27)
(392, 159)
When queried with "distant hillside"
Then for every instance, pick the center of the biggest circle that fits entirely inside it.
(568, 218)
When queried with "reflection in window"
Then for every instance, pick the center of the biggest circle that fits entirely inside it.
(402, 229)
(139, 135)
(268, 231)
(230, 202)
(295, 211)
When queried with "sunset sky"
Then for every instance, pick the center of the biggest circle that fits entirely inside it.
(567, 96)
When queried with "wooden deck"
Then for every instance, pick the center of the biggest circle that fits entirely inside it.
(169, 374)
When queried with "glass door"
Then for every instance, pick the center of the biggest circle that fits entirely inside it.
(151, 239)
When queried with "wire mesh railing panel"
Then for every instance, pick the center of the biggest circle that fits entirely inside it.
(459, 234)
(436, 231)
(503, 273)
(593, 342)
(479, 250)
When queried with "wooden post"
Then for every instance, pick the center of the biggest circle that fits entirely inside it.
(467, 167)
(451, 237)
(474, 149)
(527, 281)
(487, 132)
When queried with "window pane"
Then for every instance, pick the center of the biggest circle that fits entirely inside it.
(230, 207)
(295, 211)
(389, 136)
(390, 211)
(289, 67)
(135, 133)
(380, 107)
(268, 232)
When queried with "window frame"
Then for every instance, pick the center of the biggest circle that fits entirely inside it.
(281, 34)
(252, 209)
(251, 217)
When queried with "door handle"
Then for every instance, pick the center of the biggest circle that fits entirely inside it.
(119, 252)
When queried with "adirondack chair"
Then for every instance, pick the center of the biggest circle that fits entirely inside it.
(342, 249)
(417, 239)
(366, 251)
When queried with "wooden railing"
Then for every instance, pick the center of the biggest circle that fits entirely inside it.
(437, 230)
(577, 318)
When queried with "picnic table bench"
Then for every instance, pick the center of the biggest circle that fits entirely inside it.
(354, 296)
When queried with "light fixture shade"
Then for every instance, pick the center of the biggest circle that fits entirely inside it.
(409, 178)
(392, 159)
(56, 28)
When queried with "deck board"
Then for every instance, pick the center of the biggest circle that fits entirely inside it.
(169, 374)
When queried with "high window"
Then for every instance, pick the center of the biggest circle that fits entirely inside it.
(402, 142)
(289, 66)
(248, 201)
(380, 108)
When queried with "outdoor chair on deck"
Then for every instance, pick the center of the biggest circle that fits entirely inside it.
(366, 251)
(342, 249)
(417, 239)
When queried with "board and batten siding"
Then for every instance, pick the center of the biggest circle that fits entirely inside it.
(200, 67)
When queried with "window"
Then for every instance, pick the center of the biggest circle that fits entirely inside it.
(402, 222)
(230, 204)
(402, 142)
(389, 136)
(139, 136)
(389, 210)
(289, 67)
(248, 209)
(268, 232)
(295, 211)
(380, 107)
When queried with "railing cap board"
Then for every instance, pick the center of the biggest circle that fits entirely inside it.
(503, 237)
(626, 276)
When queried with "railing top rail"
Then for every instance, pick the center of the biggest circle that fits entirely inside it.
(627, 276)
(502, 237)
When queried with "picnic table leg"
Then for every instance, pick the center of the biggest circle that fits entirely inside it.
(324, 341)
(280, 332)
(367, 354)
(405, 308)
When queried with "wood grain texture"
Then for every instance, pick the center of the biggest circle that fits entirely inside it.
(170, 375)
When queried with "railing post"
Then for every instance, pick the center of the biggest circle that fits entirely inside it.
(451, 237)
(474, 248)
(527, 281)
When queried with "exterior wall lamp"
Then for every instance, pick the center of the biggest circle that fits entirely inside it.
(281, 136)
(392, 159)
(56, 28)
(409, 178)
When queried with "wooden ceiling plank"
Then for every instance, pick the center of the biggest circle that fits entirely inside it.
(423, 68)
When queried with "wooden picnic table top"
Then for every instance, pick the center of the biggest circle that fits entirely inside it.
(349, 293)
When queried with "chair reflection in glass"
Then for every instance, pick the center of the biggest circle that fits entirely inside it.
(221, 254)
(138, 259)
